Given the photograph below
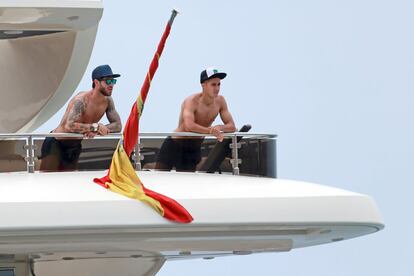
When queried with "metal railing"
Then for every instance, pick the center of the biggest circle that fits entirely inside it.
(235, 145)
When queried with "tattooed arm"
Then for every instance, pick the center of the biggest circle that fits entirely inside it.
(72, 124)
(115, 124)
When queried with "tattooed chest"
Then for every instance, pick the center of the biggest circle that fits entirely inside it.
(92, 115)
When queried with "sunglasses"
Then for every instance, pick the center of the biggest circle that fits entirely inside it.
(110, 81)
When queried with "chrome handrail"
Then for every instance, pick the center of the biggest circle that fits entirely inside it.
(142, 134)
(235, 161)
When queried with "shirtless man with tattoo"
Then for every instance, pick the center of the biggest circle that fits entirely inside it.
(198, 113)
(82, 116)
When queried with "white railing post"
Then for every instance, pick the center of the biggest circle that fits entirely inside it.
(30, 158)
(137, 158)
(235, 161)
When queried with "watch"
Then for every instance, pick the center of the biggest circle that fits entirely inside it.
(95, 127)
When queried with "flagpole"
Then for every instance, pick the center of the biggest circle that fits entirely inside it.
(154, 63)
(133, 136)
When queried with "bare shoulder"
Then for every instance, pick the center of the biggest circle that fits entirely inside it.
(193, 97)
(191, 101)
(76, 107)
(110, 101)
(221, 100)
(80, 97)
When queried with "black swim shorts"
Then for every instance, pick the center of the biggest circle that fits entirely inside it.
(183, 154)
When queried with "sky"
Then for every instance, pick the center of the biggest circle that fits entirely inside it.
(333, 79)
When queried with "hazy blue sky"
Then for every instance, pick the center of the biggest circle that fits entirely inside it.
(334, 79)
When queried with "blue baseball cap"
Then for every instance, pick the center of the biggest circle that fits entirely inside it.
(103, 71)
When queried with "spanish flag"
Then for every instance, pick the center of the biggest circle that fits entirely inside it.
(121, 177)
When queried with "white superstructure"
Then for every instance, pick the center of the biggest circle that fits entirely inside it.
(45, 47)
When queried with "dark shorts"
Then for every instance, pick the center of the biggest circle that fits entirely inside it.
(65, 153)
(183, 154)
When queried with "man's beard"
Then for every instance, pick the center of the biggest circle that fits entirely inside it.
(104, 92)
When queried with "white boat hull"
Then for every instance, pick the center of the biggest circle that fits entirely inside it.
(62, 218)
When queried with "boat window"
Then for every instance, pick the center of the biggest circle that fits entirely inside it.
(239, 153)
(13, 34)
(7, 272)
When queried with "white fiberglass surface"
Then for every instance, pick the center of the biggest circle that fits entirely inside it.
(78, 186)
